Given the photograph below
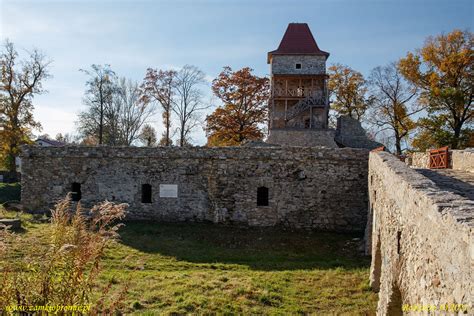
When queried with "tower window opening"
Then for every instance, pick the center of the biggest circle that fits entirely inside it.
(298, 66)
(262, 196)
(76, 192)
(146, 193)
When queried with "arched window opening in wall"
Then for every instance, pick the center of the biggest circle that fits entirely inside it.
(76, 194)
(262, 196)
(146, 193)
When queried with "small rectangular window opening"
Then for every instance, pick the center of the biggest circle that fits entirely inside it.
(298, 66)
(146, 193)
(262, 196)
(76, 192)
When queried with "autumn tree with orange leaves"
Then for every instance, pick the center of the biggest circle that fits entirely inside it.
(244, 110)
(443, 69)
(20, 82)
(348, 90)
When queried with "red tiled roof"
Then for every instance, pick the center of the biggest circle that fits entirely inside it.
(298, 40)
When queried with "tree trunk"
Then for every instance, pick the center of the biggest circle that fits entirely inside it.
(398, 139)
(101, 124)
(11, 162)
(181, 135)
(457, 135)
(398, 145)
(168, 114)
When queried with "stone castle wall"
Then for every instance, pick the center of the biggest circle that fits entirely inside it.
(310, 64)
(419, 159)
(463, 159)
(350, 133)
(302, 137)
(421, 239)
(307, 187)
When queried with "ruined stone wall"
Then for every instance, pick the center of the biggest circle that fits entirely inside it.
(422, 239)
(463, 159)
(308, 187)
(310, 64)
(350, 133)
(419, 159)
(302, 137)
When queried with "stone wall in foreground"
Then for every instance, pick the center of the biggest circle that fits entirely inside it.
(421, 239)
(317, 188)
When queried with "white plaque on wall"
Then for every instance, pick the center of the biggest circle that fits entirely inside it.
(169, 190)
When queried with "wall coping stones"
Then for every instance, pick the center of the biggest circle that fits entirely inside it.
(276, 152)
(460, 208)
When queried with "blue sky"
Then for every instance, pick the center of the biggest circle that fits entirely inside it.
(133, 35)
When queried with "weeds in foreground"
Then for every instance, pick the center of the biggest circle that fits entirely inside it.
(62, 268)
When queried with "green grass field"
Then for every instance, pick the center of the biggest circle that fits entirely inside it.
(204, 268)
(191, 268)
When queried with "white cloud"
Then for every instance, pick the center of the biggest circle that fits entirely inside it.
(54, 120)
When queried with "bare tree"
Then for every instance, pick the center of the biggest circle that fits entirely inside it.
(188, 102)
(98, 98)
(159, 86)
(391, 107)
(116, 110)
(20, 82)
(130, 111)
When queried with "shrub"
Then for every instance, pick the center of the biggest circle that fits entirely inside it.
(61, 268)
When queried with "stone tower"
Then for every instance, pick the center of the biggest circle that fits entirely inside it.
(299, 98)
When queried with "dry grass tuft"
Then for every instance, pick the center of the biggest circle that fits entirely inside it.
(61, 267)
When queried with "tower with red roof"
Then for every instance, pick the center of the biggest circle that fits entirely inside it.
(299, 98)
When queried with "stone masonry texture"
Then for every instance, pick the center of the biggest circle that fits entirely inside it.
(421, 239)
(302, 137)
(419, 159)
(350, 133)
(463, 159)
(318, 188)
(310, 65)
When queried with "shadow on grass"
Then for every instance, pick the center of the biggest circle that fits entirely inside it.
(263, 249)
(10, 192)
